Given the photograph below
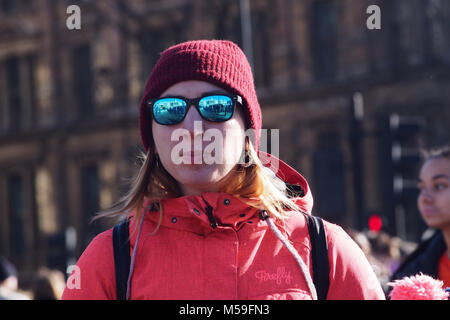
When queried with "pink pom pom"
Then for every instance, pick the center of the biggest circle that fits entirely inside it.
(418, 287)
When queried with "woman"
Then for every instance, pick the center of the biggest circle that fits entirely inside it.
(432, 256)
(203, 223)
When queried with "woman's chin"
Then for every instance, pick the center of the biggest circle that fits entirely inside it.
(197, 178)
(204, 178)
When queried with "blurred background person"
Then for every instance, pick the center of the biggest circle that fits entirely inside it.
(9, 281)
(432, 257)
(378, 265)
(47, 284)
(383, 252)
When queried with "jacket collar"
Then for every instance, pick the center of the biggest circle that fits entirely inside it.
(203, 213)
(211, 211)
(425, 258)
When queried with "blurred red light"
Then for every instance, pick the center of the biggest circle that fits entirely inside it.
(375, 223)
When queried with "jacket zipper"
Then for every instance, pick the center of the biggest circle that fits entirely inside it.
(212, 220)
(209, 213)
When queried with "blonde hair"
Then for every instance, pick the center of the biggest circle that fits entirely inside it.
(252, 184)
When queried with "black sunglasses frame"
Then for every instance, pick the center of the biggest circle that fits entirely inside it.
(189, 102)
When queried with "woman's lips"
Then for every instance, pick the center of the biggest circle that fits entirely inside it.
(195, 155)
(429, 212)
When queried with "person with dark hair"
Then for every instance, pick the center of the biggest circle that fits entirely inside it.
(9, 281)
(432, 256)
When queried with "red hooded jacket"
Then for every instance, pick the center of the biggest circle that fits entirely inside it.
(239, 259)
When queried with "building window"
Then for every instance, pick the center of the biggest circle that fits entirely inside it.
(262, 50)
(31, 107)
(329, 179)
(46, 207)
(16, 208)
(9, 6)
(3, 98)
(395, 38)
(229, 28)
(323, 43)
(17, 93)
(83, 80)
(90, 192)
(435, 32)
(14, 101)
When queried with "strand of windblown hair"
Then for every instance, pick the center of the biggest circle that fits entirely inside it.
(297, 257)
(133, 256)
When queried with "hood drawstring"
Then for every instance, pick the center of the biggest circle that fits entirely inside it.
(133, 255)
(264, 216)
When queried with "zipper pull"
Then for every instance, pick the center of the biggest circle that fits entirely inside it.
(209, 213)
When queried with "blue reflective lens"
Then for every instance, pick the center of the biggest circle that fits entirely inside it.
(216, 108)
(169, 110)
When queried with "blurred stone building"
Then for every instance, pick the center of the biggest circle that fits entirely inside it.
(69, 136)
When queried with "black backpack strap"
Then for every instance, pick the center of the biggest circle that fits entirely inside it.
(319, 255)
(122, 257)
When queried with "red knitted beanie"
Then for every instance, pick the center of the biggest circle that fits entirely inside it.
(219, 62)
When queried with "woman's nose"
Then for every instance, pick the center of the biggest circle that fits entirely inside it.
(425, 196)
(192, 121)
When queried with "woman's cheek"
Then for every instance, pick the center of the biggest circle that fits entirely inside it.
(444, 202)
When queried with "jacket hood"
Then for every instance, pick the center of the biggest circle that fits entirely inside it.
(296, 184)
(207, 212)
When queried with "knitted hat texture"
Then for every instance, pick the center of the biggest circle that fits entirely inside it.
(220, 62)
